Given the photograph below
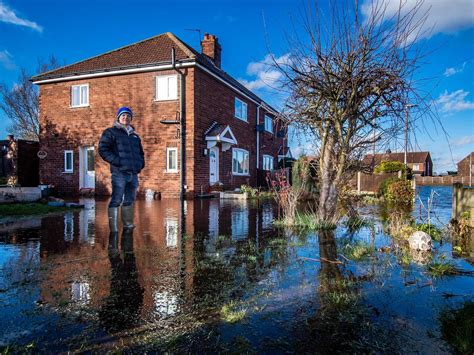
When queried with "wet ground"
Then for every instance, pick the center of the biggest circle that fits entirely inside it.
(216, 276)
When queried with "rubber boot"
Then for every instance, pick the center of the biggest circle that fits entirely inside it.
(113, 219)
(127, 217)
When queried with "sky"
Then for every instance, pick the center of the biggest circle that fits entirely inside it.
(248, 32)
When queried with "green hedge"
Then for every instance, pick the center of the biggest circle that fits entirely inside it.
(390, 167)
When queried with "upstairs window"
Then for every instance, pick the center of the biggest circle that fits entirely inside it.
(166, 87)
(80, 95)
(240, 162)
(267, 162)
(268, 124)
(240, 110)
(68, 161)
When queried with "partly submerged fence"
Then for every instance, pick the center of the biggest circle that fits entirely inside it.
(444, 180)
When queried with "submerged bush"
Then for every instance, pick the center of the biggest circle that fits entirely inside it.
(385, 184)
(401, 192)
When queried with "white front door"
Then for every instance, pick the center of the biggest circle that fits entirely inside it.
(88, 167)
(213, 165)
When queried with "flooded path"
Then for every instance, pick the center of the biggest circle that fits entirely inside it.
(216, 276)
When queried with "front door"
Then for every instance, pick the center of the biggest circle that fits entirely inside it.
(213, 165)
(88, 167)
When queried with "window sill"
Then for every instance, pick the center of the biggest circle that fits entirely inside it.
(236, 174)
(241, 119)
(165, 100)
(81, 106)
(171, 171)
(68, 172)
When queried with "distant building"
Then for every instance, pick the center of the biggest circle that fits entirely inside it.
(466, 166)
(419, 162)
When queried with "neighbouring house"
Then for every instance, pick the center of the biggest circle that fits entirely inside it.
(199, 126)
(419, 162)
(19, 162)
(466, 165)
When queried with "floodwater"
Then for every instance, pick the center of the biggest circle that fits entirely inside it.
(213, 276)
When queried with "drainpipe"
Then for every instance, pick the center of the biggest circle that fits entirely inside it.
(182, 140)
(258, 136)
(258, 143)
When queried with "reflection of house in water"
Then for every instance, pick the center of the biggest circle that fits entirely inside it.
(75, 252)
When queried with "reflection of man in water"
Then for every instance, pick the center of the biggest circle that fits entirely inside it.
(122, 306)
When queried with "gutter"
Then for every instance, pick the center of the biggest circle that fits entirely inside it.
(115, 72)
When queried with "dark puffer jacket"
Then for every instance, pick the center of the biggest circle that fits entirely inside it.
(122, 150)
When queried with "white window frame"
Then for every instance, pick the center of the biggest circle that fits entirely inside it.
(66, 170)
(83, 101)
(268, 124)
(241, 114)
(245, 152)
(165, 80)
(416, 167)
(267, 162)
(168, 169)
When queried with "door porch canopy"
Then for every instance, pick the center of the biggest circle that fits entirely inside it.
(219, 133)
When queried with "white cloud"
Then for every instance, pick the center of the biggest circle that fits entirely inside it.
(451, 71)
(443, 16)
(454, 102)
(264, 71)
(462, 141)
(7, 15)
(6, 60)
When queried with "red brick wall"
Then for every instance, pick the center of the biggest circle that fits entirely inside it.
(214, 101)
(207, 100)
(66, 128)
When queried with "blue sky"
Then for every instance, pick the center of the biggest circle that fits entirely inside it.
(73, 31)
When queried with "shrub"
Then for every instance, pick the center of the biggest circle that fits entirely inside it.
(385, 184)
(400, 192)
(390, 167)
(430, 229)
(249, 190)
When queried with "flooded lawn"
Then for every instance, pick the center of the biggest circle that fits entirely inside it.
(216, 276)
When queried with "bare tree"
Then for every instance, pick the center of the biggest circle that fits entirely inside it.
(349, 80)
(21, 102)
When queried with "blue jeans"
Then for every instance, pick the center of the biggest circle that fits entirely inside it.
(124, 187)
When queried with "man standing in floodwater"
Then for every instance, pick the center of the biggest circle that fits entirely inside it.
(121, 147)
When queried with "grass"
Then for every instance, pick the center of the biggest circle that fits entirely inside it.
(430, 229)
(231, 314)
(305, 221)
(25, 209)
(442, 268)
(354, 224)
(357, 252)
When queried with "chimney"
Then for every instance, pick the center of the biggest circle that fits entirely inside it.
(211, 48)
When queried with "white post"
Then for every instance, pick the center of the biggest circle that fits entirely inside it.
(358, 182)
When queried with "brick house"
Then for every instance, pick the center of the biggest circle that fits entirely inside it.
(466, 165)
(419, 162)
(186, 110)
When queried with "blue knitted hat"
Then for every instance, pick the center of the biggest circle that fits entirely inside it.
(124, 109)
